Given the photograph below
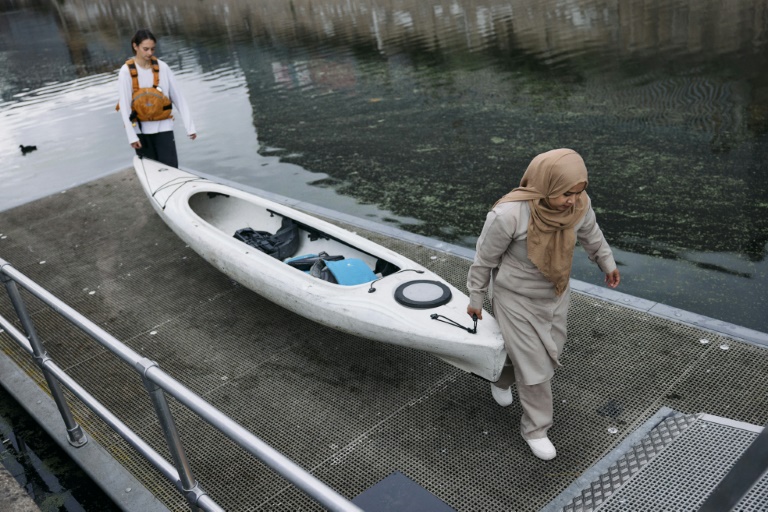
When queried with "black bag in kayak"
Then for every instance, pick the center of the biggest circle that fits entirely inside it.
(281, 245)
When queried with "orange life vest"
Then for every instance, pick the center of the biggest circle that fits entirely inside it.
(147, 103)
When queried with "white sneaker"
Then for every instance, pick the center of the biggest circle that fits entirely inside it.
(542, 448)
(503, 396)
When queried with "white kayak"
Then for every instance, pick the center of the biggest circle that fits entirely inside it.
(372, 292)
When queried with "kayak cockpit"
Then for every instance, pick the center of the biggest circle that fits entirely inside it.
(293, 241)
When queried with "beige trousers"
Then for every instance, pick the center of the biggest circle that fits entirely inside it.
(534, 332)
(536, 401)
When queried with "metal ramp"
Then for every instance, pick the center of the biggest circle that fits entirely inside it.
(672, 462)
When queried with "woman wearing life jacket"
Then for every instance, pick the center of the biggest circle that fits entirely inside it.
(147, 90)
(525, 252)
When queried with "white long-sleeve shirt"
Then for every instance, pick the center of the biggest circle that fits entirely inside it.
(167, 83)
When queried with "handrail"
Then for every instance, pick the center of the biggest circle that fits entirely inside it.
(156, 382)
(105, 414)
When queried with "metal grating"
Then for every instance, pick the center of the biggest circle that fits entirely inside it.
(632, 463)
(350, 410)
(674, 467)
(686, 472)
(756, 499)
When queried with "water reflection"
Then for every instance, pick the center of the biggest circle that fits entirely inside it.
(423, 113)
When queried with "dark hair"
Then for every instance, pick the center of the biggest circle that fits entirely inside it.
(141, 35)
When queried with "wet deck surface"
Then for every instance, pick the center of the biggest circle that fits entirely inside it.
(349, 410)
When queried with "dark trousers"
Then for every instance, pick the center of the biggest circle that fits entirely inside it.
(159, 146)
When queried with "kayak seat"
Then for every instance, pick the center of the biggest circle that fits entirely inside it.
(350, 272)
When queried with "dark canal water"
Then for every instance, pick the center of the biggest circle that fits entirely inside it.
(422, 113)
(43, 469)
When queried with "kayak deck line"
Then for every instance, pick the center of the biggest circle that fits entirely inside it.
(349, 410)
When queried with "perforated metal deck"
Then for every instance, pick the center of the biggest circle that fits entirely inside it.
(675, 466)
(347, 409)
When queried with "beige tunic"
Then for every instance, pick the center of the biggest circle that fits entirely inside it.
(532, 317)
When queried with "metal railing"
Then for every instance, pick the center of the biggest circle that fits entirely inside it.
(157, 383)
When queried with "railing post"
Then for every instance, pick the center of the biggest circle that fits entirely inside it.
(75, 435)
(192, 491)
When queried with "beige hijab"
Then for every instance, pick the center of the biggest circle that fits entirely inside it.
(551, 237)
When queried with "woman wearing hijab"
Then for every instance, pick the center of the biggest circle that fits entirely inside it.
(524, 256)
(151, 138)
